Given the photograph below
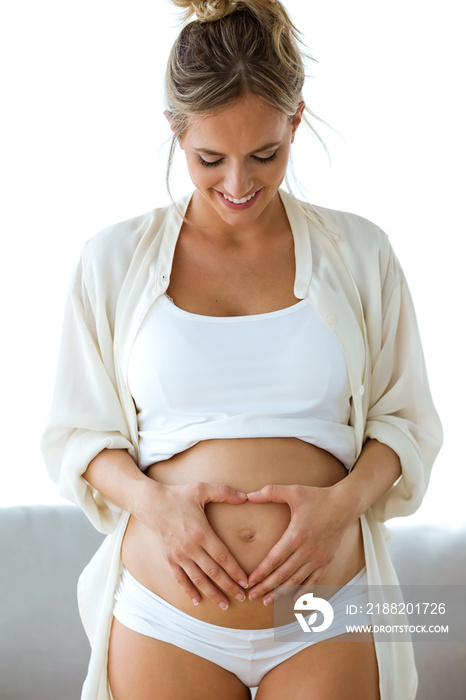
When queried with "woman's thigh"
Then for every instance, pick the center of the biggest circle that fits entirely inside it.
(148, 669)
(328, 670)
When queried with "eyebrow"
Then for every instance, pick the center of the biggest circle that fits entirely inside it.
(265, 147)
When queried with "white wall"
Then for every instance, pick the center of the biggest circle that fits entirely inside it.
(81, 149)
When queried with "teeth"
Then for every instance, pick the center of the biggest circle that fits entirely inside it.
(243, 200)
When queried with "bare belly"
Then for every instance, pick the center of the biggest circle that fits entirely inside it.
(249, 530)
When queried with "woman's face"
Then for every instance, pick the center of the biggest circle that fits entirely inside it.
(240, 153)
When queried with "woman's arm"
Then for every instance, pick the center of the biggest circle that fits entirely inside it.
(375, 472)
(176, 515)
(117, 477)
(319, 518)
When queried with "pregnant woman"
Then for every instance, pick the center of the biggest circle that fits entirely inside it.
(241, 401)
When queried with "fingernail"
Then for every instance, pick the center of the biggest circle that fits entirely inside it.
(252, 493)
(240, 597)
(253, 596)
(223, 605)
(195, 601)
(267, 601)
(241, 494)
(243, 584)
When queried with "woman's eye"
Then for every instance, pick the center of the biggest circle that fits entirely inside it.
(266, 160)
(214, 163)
(208, 164)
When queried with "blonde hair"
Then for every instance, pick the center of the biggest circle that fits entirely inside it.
(231, 49)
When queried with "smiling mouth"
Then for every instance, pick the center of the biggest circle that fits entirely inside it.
(243, 200)
(239, 204)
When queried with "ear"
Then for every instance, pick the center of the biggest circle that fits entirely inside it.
(171, 121)
(297, 119)
(168, 115)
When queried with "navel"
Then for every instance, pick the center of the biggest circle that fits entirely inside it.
(247, 534)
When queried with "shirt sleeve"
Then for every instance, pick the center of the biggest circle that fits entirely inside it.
(86, 415)
(401, 413)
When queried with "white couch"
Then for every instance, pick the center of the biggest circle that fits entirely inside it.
(44, 651)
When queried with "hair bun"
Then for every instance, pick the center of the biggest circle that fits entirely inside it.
(207, 10)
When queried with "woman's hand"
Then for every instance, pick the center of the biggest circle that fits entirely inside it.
(198, 558)
(308, 546)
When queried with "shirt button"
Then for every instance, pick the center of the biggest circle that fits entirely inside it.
(331, 320)
(361, 390)
(164, 277)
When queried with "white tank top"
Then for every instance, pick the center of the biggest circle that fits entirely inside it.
(278, 374)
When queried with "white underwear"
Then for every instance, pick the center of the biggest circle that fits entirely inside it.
(249, 654)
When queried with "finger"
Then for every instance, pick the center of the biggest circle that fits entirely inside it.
(185, 584)
(272, 493)
(219, 577)
(311, 580)
(290, 586)
(193, 560)
(203, 583)
(284, 548)
(206, 537)
(230, 574)
(284, 574)
(296, 583)
(284, 577)
(203, 540)
(218, 493)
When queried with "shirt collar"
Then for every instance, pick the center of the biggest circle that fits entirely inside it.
(299, 224)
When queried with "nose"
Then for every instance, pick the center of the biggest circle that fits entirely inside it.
(238, 180)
